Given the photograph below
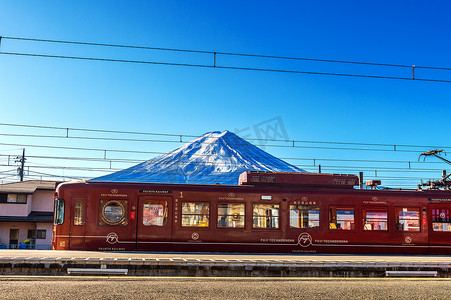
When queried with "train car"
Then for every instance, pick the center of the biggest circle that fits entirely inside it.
(267, 212)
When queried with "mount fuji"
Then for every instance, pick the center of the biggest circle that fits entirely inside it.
(215, 157)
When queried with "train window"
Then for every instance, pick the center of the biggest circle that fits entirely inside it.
(231, 215)
(58, 217)
(266, 216)
(407, 218)
(113, 212)
(195, 214)
(155, 213)
(341, 218)
(78, 212)
(441, 219)
(375, 219)
(304, 216)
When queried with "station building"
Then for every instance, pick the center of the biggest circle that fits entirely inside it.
(26, 214)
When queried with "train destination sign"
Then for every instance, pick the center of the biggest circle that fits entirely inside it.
(439, 199)
(155, 192)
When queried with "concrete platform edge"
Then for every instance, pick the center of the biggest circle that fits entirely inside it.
(215, 268)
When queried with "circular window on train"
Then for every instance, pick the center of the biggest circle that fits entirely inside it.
(113, 212)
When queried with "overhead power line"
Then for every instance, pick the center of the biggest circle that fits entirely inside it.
(222, 67)
(156, 180)
(323, 167)
(56, 176)
(149, 152)
(313, 160)
(71, 168)
(181, 137)
(382, 173)
(67, 129)
(12, 171)
(224, 53)
(386, 178)
(345, 165)
(180, 163)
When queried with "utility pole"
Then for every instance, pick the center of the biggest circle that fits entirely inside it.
(22, 164)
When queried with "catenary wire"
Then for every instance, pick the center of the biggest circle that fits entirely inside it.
(379, 170)
(231, 163)
(222, 67)
(169, 141)
(382, 177)
(232, 138)
(330, 167)
(181, 164)
(316, 160)
(221, 53)
(200, 180)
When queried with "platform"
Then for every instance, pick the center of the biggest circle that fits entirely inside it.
(47, 262)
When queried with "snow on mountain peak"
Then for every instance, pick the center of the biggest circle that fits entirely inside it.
(215, 157)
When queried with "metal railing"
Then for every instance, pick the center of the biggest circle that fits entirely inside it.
(26, 246)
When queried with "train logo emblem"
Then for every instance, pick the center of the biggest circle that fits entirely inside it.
(112, 238)
(408, 239)
(231, 195)
(304, 239)
(114, 191)
(195, 236)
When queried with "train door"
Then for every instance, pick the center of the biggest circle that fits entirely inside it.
(154, 228)
(439, 228)
(77, 231)
(410, 230)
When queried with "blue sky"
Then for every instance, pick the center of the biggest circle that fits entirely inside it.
(182, 100)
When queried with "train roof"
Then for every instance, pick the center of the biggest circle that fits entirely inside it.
(275, 182)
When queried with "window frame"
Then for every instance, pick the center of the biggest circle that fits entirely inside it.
(191, 214)
(39, 234)
(385, 209)
(6, 196)
(165, 212)
(103, 219)
(278, 217)
(57, 209)
(334, 225)
(308, 219)
(441, 223)
(397, 219)
(232, 216)
(78, 212)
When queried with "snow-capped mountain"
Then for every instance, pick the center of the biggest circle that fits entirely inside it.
(215, 157)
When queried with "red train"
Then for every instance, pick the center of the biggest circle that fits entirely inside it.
(267, 212)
